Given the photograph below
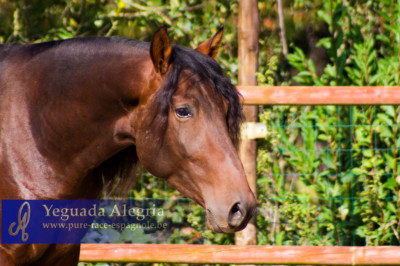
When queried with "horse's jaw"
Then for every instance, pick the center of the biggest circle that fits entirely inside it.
(228, 209)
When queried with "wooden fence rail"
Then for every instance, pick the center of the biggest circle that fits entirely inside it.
(307, 95)
(172, 253)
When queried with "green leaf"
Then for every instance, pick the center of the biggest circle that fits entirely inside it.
(339, 39)
(385, 119)
(325, 42)
(358, 171)
(325, 16)
(389, 110)
(323, 137)
(368, 153)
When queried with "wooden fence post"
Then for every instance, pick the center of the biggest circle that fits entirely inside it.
(248, 63)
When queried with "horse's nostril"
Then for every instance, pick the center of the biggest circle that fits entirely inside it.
(236, 215)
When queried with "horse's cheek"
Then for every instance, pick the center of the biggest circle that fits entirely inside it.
(153, 158)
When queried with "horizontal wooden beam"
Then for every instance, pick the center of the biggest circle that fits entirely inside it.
(322, 95)
(170, 253)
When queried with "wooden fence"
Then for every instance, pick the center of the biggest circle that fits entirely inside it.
(175, 253)
(306, 95)
(274, 95)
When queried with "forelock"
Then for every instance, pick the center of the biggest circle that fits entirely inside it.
(208, 70)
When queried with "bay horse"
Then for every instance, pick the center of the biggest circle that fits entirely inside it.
(75, 114)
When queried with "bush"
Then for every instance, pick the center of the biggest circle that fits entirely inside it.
(329, 174)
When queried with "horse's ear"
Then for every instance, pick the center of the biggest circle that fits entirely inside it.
(211, 46)
(160, 50)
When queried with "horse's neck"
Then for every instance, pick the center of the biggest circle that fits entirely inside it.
(64, 123)
(21, 164)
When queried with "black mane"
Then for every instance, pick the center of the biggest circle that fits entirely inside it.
(207, 69)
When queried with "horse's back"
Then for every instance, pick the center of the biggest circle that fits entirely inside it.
(7, 49)
(19, 60)
(9, 52)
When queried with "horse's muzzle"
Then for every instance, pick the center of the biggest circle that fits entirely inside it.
(237, 217)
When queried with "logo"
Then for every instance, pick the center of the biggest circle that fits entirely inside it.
(80, 221)
(24, 214)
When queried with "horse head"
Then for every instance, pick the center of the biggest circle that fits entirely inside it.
(189, 129)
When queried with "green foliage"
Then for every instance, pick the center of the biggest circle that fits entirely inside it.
(329, 174)
(190, 21)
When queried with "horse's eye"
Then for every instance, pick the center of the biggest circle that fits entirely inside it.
(183, 112)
